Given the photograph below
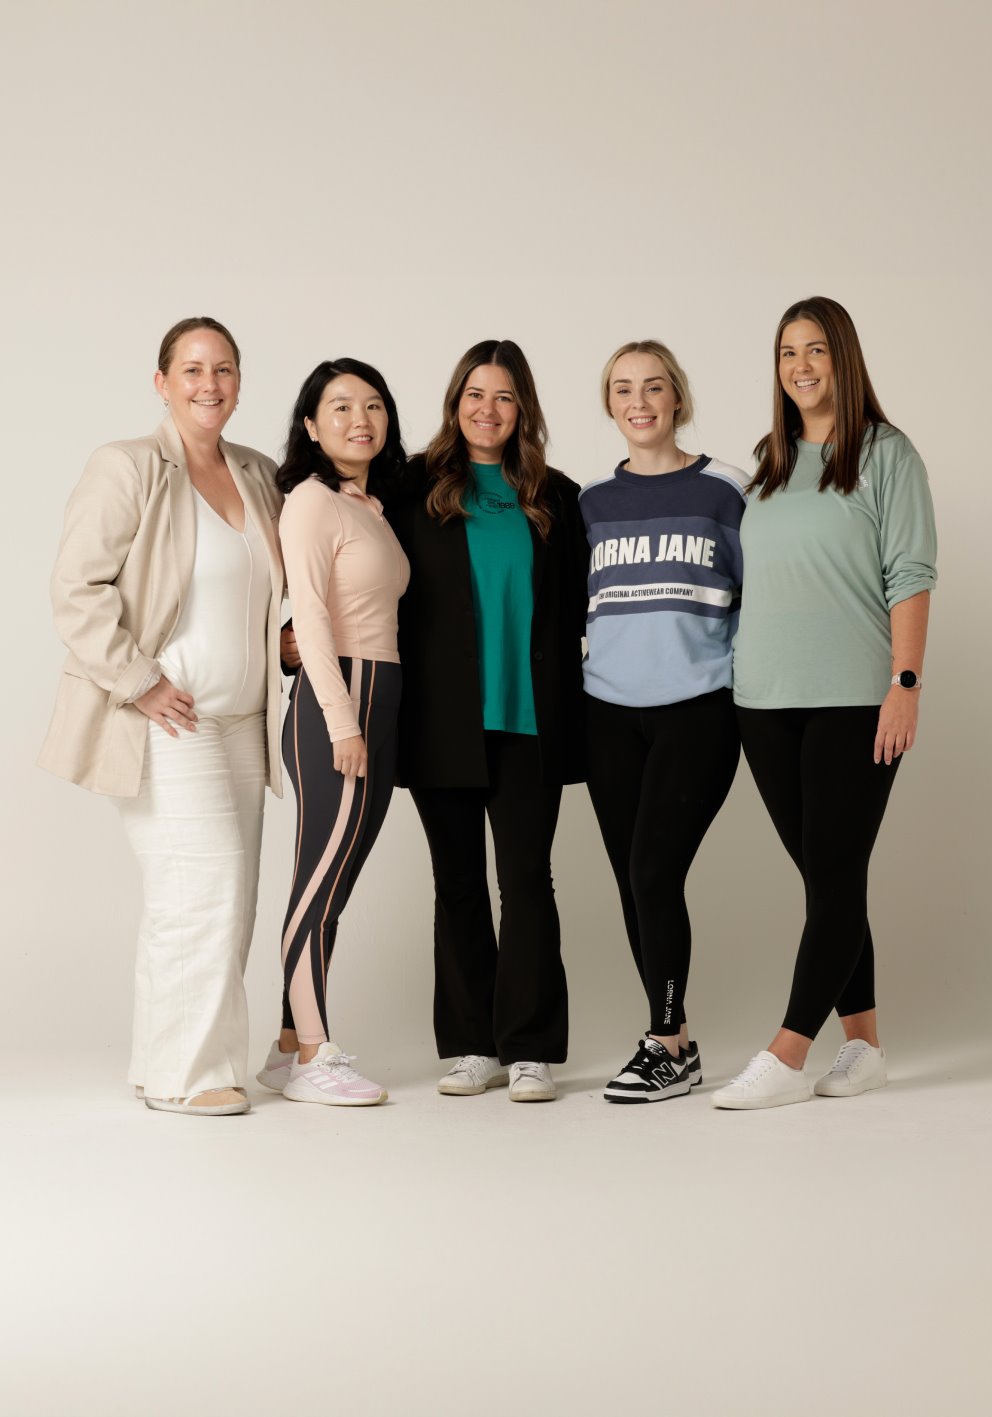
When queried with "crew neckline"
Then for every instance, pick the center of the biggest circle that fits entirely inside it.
(679, 474)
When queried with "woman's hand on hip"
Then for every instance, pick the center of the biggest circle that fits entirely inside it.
(351, 756)
(169, 707)
(897, 723)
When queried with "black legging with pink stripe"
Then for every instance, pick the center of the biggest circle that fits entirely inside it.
(338, 820)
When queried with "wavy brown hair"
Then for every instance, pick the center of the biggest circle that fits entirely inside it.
(524, 464)
(856, 408)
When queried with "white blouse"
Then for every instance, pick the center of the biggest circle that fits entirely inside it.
(217, 650)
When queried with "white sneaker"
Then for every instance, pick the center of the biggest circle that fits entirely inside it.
(278, 1066)
(531, 1082)
(471, 1075)
(330, 1078)
(765, 1082)
(857, 1068)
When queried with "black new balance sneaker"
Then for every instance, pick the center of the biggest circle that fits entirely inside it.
(651, 1075)
(695, 1066)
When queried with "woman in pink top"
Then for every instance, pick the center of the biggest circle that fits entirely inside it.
(346, 573)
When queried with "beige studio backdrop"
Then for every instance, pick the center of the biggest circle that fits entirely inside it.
(395, 182)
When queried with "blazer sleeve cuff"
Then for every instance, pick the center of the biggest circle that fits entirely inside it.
(132, 679)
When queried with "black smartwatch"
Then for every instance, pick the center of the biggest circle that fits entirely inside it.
(906, 679)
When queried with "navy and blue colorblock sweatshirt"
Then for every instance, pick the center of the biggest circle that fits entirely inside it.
(665, 575)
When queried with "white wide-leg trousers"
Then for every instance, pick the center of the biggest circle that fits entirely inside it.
(196, 829)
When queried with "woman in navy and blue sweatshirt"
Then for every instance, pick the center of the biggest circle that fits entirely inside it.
(665, 575)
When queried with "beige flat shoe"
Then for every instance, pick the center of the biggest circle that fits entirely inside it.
(216, 1102)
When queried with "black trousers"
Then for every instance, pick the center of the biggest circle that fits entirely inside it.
(826, 795)
(337, 822)
(508, 1000)
(657, 778)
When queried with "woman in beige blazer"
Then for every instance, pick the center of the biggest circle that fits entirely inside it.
(167, 592)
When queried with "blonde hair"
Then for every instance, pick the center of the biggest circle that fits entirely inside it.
(680, 383)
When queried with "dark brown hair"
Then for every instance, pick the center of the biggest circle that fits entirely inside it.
(167, 349)
(524, 464)
(856, 409)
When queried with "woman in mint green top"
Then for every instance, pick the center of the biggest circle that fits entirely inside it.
(839, 560)
(491, 721)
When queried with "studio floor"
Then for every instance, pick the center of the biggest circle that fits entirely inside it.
(445, 1256)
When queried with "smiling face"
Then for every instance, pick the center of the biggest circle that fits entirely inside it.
(350, 424)
(642, 400)
(806, 371)
(201, 384)
(487, 413)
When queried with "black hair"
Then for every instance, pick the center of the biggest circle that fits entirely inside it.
(305, 458)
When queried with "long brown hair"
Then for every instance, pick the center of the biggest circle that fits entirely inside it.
(524, 464)
(856, 409)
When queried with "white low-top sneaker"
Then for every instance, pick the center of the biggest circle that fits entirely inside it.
(857, 1068)
(330, 1078)
(765, 1082)
(471, 1075)
(531, 1082)
(278, 1066)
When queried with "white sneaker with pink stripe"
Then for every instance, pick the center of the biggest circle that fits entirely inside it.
(329, 1078)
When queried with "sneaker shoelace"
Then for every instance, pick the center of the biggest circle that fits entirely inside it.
(753, 1073)
(340, 1065)
(472, 1065)
(530, 1070)
(848, 1057)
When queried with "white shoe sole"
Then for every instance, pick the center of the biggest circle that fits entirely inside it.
(325, 1101)
(756, 1104)
(681, 1089)
(228, 1109)
(543, 1096)
(824, 1088)
(275, 1079)
(451, 1089)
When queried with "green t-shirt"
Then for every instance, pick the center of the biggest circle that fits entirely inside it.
(821, 573)
(502, 559)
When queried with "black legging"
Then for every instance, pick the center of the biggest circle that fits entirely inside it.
(657, 778)
(826, 795)
(509, 1001)
(338, 820)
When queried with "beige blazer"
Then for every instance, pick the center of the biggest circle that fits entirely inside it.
(122, 573)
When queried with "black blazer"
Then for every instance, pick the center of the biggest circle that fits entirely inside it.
(441, 738)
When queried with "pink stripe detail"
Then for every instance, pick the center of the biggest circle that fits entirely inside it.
(334, 841)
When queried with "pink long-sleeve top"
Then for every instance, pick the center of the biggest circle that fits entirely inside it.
(346, 572)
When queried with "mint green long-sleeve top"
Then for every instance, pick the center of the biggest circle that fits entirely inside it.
(822, 571)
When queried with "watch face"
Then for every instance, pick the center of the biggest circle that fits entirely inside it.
(907, 679)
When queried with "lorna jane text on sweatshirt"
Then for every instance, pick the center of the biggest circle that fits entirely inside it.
(665, 572)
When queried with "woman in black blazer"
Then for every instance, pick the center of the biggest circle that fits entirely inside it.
(491, 718)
